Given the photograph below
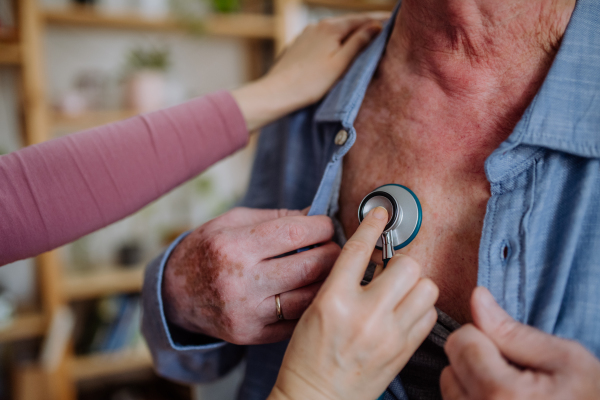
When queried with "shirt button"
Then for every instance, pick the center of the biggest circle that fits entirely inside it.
(341, 137)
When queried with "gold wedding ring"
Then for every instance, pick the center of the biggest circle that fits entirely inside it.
(278, 308)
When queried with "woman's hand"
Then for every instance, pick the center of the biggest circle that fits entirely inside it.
(353, 340)
(308, 68)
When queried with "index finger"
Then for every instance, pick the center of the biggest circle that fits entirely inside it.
(350, 265)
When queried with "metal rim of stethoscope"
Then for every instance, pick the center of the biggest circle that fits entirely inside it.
(394, 204)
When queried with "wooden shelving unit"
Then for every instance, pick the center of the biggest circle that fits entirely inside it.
(254, 26)
(88, 18)
(10, 53)
(250, 26)
(110, 364)
(357, 5)
(103, 281)
(24, 326)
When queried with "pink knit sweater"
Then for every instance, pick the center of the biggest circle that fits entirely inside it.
(60, 190)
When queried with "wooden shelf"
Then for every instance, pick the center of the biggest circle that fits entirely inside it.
(8, 34)
(10, 54)
(89, 18)
(24, 326)
(255, 26)
(103, 282)
(110, 364)
(90, 119)
(358, 5)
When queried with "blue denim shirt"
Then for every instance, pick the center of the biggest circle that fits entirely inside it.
(540, 247)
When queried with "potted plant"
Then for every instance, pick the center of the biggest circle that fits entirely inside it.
(146, 86)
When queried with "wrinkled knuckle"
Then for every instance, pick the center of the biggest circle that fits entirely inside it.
(358, 247)
(296, 234)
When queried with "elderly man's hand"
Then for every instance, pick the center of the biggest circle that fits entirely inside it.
(498, 358)
(222, 279)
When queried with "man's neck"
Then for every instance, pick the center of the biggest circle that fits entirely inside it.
(468, 68)
(454, 41)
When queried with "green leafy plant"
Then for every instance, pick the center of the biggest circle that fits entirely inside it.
(154, 59)
(225, 6)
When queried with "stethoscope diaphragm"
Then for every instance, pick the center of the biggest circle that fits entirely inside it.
(404, 216)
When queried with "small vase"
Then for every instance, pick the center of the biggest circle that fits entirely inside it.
(146, 91)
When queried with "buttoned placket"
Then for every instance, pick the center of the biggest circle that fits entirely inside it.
(502, 261)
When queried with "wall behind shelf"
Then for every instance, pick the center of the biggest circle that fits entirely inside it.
(199, 65)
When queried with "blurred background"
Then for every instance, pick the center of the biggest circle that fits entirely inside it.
(69, 319)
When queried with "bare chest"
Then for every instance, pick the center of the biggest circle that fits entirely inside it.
(392, 148)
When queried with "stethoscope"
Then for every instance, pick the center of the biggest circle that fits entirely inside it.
(404, 217)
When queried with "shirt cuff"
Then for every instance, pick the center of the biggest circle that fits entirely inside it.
(179, 338)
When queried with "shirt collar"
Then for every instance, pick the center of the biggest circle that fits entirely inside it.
(564, 115)
(344, 100)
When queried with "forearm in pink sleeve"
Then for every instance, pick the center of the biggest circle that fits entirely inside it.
(60, 190)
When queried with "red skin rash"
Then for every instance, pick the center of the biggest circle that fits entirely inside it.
(440, 102)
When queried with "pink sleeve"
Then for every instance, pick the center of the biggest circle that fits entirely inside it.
(60, 190)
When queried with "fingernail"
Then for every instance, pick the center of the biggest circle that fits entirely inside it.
(380, 213)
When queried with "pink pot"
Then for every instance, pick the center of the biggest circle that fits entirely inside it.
(146, 91)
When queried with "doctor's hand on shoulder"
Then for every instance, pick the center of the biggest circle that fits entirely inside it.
(308, 68)
(499, 358)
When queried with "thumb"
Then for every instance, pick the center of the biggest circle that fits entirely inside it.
(519, 343)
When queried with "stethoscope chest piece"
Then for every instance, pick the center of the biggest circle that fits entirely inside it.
(404, 216)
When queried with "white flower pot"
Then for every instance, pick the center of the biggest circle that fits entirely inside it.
(146, 91)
